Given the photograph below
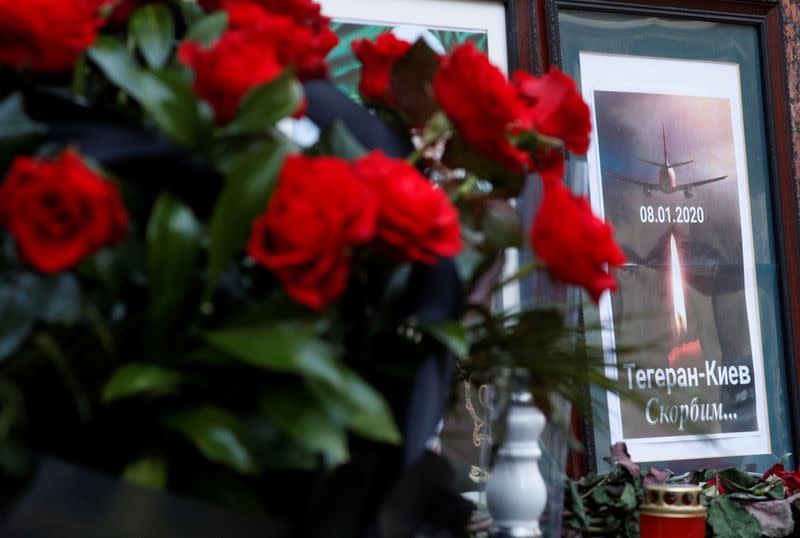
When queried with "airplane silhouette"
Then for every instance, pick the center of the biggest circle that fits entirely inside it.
(667, 183)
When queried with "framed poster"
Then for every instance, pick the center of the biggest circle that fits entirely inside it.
(690, 163)
(501, 28)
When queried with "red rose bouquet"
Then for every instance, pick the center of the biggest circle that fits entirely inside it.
(189, 296)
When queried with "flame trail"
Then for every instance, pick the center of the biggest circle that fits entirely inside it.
(678, 295)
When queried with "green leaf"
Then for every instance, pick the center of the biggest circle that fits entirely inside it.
(627, 499)
(354, 402)
(412, 83)
(265, 105)
(502, 225)
(208, 29)
(276, 450)
(147, 472)
(281, 347)
(337, 140)
(115, 61)
(251, 179)
(192, 12)
(729, 519)
(459, 154)
(166, 97)
(216, 434)
(291, 347)
(153, 29)
(17, 131)
(174, 242)
(308, 424)
(11, 405)
(451, 334)
(19, 302)
(734, 480)
(170, 101)
(574, 501)
(438, 125)
(139, 378)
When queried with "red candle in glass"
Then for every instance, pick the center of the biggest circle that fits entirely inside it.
(672, 511)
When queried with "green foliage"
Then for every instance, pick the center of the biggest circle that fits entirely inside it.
(608, 503)
(17, 131)
(265, 105)
(174, 243)
(279, 346)
(292, 347)
(451, 334)
(355, 403)
(293, 412)
(604, 503)
(207, 29)
(19, 305)
(153, 29)
(252, 175)
(140, 379)
(339, 141)
(729, 519)
(173, 359)
(165, 96)
(217, 434)
(147, 472)
(459, 154)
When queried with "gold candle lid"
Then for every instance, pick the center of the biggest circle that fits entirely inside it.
(673, 500)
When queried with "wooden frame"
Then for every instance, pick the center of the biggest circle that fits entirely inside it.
(764, 17)
(521, 33)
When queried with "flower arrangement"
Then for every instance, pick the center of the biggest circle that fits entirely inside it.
(739, 503)
(206, 323)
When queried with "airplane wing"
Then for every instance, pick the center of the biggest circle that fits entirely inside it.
(635, 181)
(701, 182)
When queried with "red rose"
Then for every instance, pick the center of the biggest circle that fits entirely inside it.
(44, 35)
(416, 221)
(59, 211)
(573, 243)
(790, 479)
(320, 210)
(555, 108)
(481, 102)
(305, 12)
(377, 60)
(122, 9)
(224, 73)
(297, 30)
(717, 483)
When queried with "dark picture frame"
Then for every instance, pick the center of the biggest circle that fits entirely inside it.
(764, 17)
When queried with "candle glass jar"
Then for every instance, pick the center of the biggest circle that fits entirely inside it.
(671, 510)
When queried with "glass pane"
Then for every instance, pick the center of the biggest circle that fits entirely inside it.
(679, 166)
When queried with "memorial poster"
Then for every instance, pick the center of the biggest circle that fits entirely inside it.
(667, 168)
